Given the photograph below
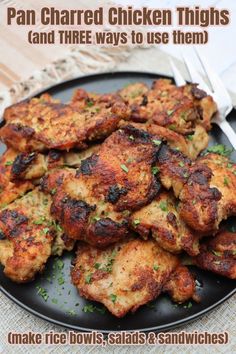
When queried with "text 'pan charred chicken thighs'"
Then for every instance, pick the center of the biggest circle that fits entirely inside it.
(44, 123)
(127, 275)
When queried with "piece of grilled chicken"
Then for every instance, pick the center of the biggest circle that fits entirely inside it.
(129, 274)
(45, 123)
(218, 254)
(34, 165)
(94, 202)
(30, 236)
(209, 196)
(190, 145)
(9, 190)
(161, 220)
(177, 108)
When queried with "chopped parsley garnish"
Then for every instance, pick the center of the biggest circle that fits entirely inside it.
(54, 301)
(229, 165)
(97, 265)
(155, 170)
(186, 175)
(113, 298)
(9, 163)
(163, 206)
(181, 164)
(170, 111)
(156, 142)
(124, 168)
(60, 264)
(91, 308)
(53, 191)
(136, 222)
(155, 267)
(71, 312)
(218, 254)
(88, 308)
(172, 127)
(40, 221)
(46, 230)
(226, 181)
(190, 137)
(90, 103)
(96, 218)
(42, 292)
(188, 306)
(88, 279)
(61, 280)
(220, 149)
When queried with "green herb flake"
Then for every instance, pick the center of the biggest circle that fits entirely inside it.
(155, 170)
(220, 149)
(60, 264)
(42, 292)
(226, 181)
(136, 222)
(188, 306)
(88, 308)
(190, 137)
(113, 298)
(96, 218)
(71, 312)
(229, 165)
(156, 142)
(61, 280)
(172, 127)
(163, 206)
(54, 301)
(53, 191)
(90, 103)
(169, 111)
(97, 265)
(9, 163)
(124, 168)
(181, 164)
(46, 230)
(88, 279)
(155, 267)
(218, 254)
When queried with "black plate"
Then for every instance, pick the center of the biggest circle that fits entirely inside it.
(68, 312)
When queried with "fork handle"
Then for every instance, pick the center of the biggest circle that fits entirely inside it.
(229, 132)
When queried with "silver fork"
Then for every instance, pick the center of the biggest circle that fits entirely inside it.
(218, 92)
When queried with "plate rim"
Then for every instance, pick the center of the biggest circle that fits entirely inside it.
(159, 328)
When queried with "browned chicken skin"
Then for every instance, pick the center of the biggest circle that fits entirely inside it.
(160, 218)
(94, 202)
(30, 233)
(128, 274)
(218, 254)
(44, 123)
(177, 108)
(209, 195)
(10, 190)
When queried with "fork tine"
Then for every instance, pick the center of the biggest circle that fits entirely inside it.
(195, 76)
(216, 83)
(179, 80)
